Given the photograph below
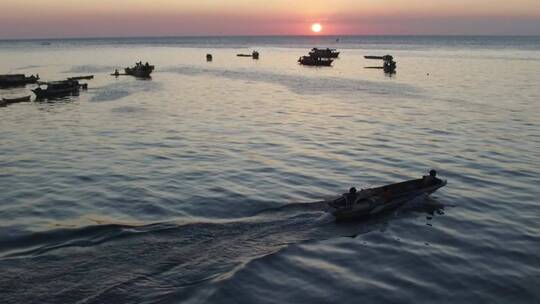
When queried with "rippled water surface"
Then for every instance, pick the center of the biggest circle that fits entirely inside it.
(205, 184)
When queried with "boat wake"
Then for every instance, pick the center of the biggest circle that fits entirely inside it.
(157, 262)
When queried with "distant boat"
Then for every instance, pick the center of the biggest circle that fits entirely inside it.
(45, 43)
(7, 101)
(372, 201)
(209, 57)
(389, 65)
(17, 99)
(140, 70)
(385, 57)
(58, 89)
(255, 55)
(14, 80)
(81, 77)
(315, 61)
(324, 53)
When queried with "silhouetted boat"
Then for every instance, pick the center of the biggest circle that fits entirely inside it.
(81, 77)
(389, 65)
(375, 200)
(324, 53)
(55, 89)
(14, 80)
(7, 101)
(16, 100)
(254, 55)
(140, 70)
(385, 57)
(315, 61)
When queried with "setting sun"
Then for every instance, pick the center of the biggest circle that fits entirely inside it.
(316, 27)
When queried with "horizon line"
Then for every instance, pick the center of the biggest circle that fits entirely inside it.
(268, 35)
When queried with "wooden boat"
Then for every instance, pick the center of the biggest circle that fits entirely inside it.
(140, 70)
(315, 61)
(372, 201)
(81, 77)
(385, 57)
(254, 55)
(57, 89)
(324, 53)
(16, 100)
(14, 80)
(389, 65)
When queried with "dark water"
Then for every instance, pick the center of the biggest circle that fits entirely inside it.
(204, 184)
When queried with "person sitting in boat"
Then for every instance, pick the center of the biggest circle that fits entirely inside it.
(116, 73)
(350, 197)
(429, 179)
(147, 65)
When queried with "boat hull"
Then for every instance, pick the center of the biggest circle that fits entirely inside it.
(16, 100)
(48, 94)
(141, 71)
(16, 80)
(309, 61)
(377, 201)
(82, 77)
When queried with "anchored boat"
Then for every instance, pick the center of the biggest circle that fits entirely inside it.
(372, 201)
(14, 80)
(324, 53)
(315, 61)
(7, 101)
(87, 77)
(254, 55)
(389, 65)
(56, 89)
(139, 70)
(16, 100)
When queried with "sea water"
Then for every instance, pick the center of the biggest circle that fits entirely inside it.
(204, 184)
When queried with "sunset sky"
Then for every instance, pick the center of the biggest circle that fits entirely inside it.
(105, 18)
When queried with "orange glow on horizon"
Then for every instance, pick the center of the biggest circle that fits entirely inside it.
(61, 18)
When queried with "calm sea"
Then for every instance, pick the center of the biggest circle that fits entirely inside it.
(203, 184)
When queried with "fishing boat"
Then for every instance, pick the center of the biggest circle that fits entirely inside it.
(254, 55)
(140, 70)
(81, 77)
(315, 61)
(16, 100)
(56, 89)
(372, 201)
(14, 80)
(324, 53)
(389, 65)
(385, 57)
